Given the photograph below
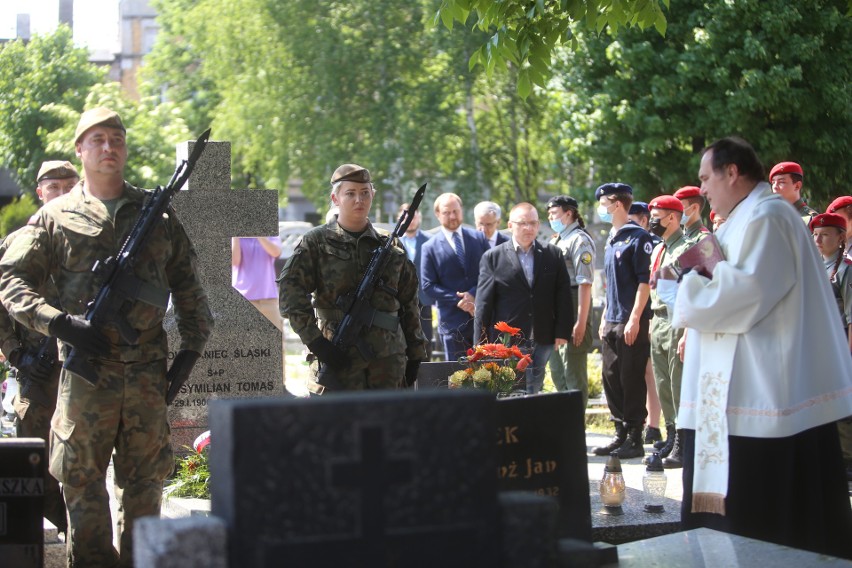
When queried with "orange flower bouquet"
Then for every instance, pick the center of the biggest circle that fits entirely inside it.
(493, 366)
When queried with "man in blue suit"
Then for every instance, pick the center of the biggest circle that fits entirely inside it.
(526, 284)
(413, 240)
(449, 268)
(486, 217)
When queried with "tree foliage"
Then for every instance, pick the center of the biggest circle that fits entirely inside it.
(16, 214)
(640, 107)
(47, 69)
(523, 34)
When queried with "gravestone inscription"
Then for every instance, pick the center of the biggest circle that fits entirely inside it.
(22, 470)
(367, 479)
(243, 357)
(542, 448)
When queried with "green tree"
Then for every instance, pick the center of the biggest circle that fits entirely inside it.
(15, 215)
(153, 131)
(646, 105)
(47, 69)
(525, 33)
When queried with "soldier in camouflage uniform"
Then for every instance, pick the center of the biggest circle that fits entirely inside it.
(693, 202)
(125, 410)
(329, 262)
(33, 354)
(786, 179)
(666, 212)
(568, 362)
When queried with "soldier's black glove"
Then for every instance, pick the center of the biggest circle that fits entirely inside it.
(79, 333)
(411, 368)
(329, 354)
(31, 366)
(179, 372)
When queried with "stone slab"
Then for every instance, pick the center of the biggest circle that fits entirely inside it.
(22, 470)
(190, 542)
(358, 479)
(243, 358)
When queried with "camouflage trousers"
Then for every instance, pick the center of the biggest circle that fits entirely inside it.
(125, 412)
(34, 413)
(568, 364)
(668, 368)
(379, 373)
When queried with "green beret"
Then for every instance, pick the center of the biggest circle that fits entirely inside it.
(56, 169)
(100, 116)
(351, 172)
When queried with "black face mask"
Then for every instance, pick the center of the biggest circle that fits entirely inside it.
(656, 227)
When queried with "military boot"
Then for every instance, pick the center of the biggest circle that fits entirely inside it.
(675, 458)
(652, 435)
(615, 443)
(667, 448)
(632, 446)
(670, 432)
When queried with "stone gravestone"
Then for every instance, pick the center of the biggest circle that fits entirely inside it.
(22, 469)
(365, 479)
(542, 448)
(243, 357)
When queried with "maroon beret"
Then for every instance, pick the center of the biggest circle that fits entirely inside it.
(786, 168)
(828, 220)
(839, 203)
(688, 191)
(666, 202)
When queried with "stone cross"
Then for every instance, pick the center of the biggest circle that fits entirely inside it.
(243, 357)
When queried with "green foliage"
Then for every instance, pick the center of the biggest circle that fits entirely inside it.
(47, 69)
(525, 33)
(641, 107)
(192, 478)
(16, 214)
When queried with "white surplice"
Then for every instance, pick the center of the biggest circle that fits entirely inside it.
(790, 369)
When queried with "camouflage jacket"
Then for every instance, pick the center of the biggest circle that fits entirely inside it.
(13, 335)
(64, 240)
(329, 262)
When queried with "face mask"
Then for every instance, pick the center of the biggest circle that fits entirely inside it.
(656, 227)
(605, 215)
(557, 225)
(684, 218)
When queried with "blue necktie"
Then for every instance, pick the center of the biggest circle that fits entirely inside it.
(459, 249)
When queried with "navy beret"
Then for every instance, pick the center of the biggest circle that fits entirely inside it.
(562, 201)
(639, 208)
(612, 189)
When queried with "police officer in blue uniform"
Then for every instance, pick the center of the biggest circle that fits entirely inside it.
(624, 330)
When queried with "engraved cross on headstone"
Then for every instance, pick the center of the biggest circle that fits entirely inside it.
(243, 357)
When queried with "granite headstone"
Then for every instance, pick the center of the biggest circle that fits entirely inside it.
(22, 469)
(243, 357)
(364, 479)
(542, 448)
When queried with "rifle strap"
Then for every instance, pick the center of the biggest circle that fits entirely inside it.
(380, 319)
(132, 287)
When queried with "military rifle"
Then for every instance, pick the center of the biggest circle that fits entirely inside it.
(358, 313)
(120, 285)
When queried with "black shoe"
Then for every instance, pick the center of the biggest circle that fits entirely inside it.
(632, 446)
(615, 443)
(652, 435)
(675, 458)
(670, 432)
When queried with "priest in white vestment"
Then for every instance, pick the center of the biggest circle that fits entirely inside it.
(765, 375)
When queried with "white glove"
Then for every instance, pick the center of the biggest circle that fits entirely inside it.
(667, 292)
(11, 392)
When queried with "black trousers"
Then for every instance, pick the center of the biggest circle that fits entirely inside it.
(426, 325)
(624, 372)
(791, 491)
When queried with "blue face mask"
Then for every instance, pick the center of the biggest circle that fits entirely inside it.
(604, 214)
(557, 225)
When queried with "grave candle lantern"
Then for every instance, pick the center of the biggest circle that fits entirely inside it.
(612, 486)
(654, 484)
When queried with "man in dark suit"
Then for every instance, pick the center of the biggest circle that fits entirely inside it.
(449, 268)
(486, 217)
(526, 284)
(413, 240)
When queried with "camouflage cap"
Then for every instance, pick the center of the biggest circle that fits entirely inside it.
(351, 172)
(56, 169)
(100, 116)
